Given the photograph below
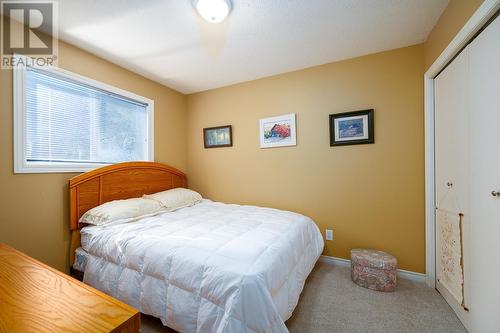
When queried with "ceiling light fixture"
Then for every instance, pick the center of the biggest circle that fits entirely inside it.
(213, 11)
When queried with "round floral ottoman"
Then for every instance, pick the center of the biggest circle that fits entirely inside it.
(373, 269)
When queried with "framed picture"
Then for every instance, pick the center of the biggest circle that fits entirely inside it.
(220, 136)
(278, 131)
(352, 128)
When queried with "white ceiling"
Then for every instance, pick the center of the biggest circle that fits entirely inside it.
(167, 41)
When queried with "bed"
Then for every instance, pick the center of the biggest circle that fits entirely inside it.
(211, 267)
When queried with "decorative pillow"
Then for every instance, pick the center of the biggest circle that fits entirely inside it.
(121, 210)
(176, 198)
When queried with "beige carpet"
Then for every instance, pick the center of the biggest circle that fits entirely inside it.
(331, 302)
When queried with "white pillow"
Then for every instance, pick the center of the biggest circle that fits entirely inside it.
(176, 198)
(121, 210)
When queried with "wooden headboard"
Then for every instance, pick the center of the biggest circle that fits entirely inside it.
(119, 181)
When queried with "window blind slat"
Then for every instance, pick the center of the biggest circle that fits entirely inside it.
(75, 123)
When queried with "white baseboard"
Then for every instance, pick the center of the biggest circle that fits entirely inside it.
(335, 261)
(403, 274)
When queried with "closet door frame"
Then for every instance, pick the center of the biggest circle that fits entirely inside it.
(484, 13)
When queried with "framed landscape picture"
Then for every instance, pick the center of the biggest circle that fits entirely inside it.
(278, 131)
(220, 136)
(352, 128)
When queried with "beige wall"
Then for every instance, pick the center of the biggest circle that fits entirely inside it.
(34, 207)
(371, 195)
(449, 24)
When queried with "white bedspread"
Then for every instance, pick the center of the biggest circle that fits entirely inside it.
(212, 267)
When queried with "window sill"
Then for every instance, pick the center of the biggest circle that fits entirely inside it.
(55, 168)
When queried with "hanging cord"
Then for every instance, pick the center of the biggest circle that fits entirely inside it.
(450, 192)
(462, 261)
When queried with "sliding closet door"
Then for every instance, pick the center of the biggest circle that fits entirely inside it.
(485, 178)
(452, 182)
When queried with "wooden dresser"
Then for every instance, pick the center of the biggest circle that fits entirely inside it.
(37, 298)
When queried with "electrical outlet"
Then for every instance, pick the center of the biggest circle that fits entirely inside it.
(329, 234)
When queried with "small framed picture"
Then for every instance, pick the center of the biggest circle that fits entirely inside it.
(220, 136)
(278, 131)
(352, 128)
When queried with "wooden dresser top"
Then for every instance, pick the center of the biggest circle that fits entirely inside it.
(37, 298)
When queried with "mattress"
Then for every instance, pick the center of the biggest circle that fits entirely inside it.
(212, 267)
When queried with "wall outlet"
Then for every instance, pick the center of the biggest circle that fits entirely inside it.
(329, 234)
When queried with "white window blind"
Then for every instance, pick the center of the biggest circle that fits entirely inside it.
(67, 122)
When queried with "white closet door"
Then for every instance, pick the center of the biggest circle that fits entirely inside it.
(485, 178)
(452, 130)
(452, 181)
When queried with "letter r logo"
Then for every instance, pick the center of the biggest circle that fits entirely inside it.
(27, 27)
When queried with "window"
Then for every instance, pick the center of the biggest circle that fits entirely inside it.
(67, 123)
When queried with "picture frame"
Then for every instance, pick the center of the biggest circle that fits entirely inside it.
(279, 131)
(218, 136)
(352, 128)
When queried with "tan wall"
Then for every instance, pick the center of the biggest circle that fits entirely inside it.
(34, 207)
(449, 24)
(371, 195)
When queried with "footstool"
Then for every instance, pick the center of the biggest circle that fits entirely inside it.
(373, 269)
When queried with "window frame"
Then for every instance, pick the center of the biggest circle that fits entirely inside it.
(19, 114)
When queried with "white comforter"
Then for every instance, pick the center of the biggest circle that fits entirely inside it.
(208, 268)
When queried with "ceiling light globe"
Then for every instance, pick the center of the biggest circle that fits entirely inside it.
(213, 11)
